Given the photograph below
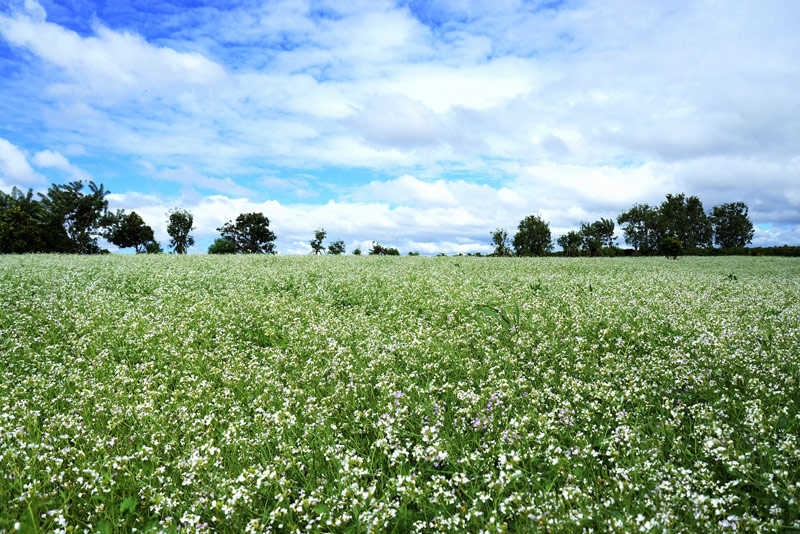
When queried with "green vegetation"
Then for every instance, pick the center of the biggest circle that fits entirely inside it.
(245, 393)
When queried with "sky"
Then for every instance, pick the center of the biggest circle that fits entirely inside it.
(422, 125)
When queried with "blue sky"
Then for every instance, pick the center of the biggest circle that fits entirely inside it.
(421, 125)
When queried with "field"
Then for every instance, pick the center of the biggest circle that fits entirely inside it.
(347, 394)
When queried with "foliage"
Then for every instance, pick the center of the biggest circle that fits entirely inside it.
(223, 245)
(598, 236)
(640, 227)
(502, 247)
(316, 243)
(357, 252)
(180, 230)
(250, 233)
(732, 226)
(220, 394)
(336, 248)
(671, 247)
(685, 219)
(25, 226)
(571, 243)
(532, 237)
(379, 250)
(153, 247)
(81, 214)
(127, 230)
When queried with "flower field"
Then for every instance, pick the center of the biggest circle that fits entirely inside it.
(374, 394)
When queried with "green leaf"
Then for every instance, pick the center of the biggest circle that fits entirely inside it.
(104, 527)
(128, 504)
(488, 310)
(321, 509)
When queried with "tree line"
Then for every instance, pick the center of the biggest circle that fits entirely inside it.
(679, 224)
(70, 218)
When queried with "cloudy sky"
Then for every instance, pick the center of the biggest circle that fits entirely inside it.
(419, 124)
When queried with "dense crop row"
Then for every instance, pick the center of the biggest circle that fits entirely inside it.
(399, 394)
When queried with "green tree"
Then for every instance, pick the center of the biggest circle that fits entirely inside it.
(379, 250)
(153, 247)
(222, 245)
(671, 247)
(732, 225)
(532, 237)
(336, 248)
(25, 226)
(81, 214)
(128, 230)
(357, 252)
(316, 243)
(251, 234)
(571, 243)
(180, 230)
(598, 236)
(700, 227)
(640, 228)
(685, 219)
(500, 241)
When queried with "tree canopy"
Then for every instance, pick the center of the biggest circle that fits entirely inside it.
(336, 248)
(251, 234)
(732, 226)
(500, 242)
(180, 230)
(532, 237)
(571, 243)
(81, 214)
(128, 230)
(316, 243)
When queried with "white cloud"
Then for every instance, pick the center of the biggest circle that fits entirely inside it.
(110, 63)
(14, 167)
(56, 160)
(574, 111)
(187, 176)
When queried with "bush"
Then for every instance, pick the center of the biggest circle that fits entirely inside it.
(222, 245)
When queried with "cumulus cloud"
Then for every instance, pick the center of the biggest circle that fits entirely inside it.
(109, 62)
(14, 167)
(56, 160)
(447, 109)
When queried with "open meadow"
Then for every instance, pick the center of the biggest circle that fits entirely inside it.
(378, 394)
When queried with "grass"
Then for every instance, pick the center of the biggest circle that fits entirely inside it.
(346, 394)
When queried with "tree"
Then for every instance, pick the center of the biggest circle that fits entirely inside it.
(732, 226)
(500, 242)
(336, 248)
(357, 252)
(378, 250)
(598, 236)
(571, 242)
(128, 230)
(25, 226)
(685, 219)
(671, 247)
(532, 237)
(700, 228)
(153, 247)
(316, 243)
(640, 227)
(179, 230)
(250, 233)
(222, 245)
(80, 214)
